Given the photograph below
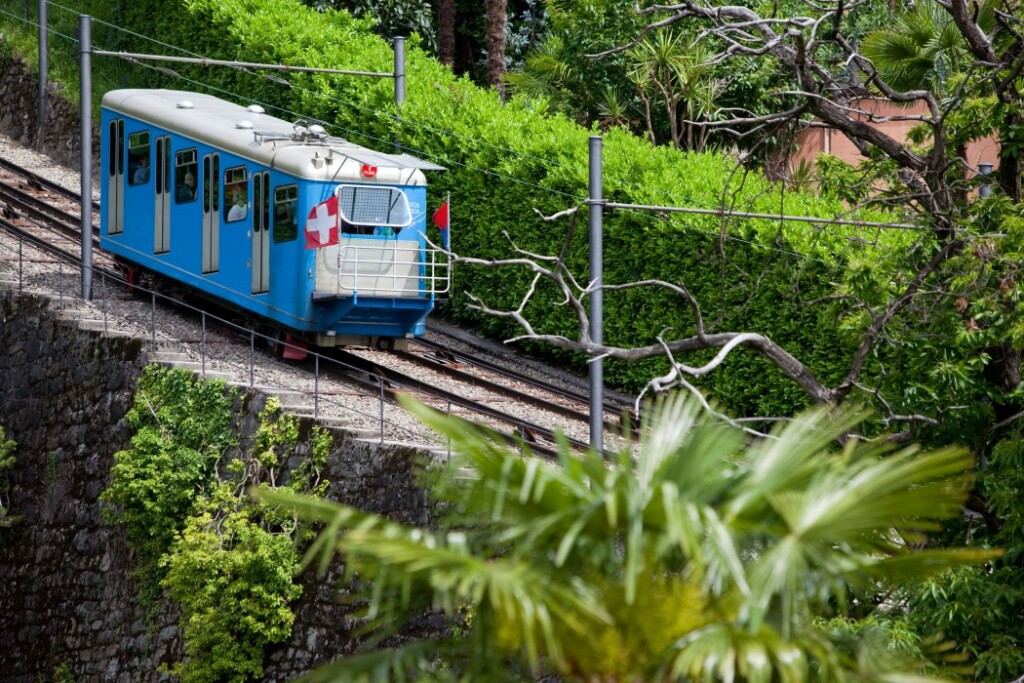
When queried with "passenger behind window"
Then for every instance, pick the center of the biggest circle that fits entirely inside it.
(187, 188)
(239, 209)
(141, 175)
(352, 229)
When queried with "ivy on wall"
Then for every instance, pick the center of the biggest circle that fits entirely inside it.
(228, 563)
(7, 447)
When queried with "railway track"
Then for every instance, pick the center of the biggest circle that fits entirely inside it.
(43, 211)
(519, 408)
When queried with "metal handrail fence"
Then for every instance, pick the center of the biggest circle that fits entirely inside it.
(28, 250)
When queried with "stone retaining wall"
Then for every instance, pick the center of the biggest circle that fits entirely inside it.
(67, 593)
(60, 138)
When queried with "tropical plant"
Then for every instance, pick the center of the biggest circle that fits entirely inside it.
(700, 556)
(669, 70)
(924, 47)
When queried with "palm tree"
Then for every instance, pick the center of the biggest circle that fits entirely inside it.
(495, 19)
(667, 68)
(924, 47)
(701, 555)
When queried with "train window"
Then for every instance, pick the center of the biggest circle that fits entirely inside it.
(286, 203)
(138, 158)
(236, 190)
(373, 206)
(186, 175)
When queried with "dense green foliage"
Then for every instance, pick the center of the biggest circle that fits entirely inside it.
(181, 430)
(228, 564)
(505, 161)
(698, 556)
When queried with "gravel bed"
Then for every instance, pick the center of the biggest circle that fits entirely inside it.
(235, 354)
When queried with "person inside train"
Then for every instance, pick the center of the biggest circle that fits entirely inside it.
(186, 188)
(141, 175)
(239, 209)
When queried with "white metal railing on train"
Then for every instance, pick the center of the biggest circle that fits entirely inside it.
(391, 268)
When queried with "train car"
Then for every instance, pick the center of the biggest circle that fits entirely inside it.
(322, 238)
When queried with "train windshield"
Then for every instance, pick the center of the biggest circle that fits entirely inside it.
(363, 205)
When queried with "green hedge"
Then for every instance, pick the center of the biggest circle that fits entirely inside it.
(507, 160)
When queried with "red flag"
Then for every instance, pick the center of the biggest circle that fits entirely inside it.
(441, 221)
(322, 224)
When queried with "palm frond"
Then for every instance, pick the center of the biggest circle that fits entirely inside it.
(407, 663)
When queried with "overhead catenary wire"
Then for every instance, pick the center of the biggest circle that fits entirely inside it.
(196, 58)
(730, 213)
(633, 208)
(207, 61)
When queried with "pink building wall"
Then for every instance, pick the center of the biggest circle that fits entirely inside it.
(819, 140)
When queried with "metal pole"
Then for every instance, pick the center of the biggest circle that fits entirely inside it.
(596, 295)
(399, 70)
(21, 261)
(316, 386)
(381, 381)
(252, 359)
(44, 67)
(85, 30)
(986, 189)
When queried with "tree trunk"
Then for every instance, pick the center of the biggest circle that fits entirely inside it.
(495, 22)
(446, 32)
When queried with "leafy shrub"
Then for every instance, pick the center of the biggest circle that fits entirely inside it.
(227, 563)
(7, 461)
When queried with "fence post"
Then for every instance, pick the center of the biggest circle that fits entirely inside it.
(381, 381)
(152, 320)
(103, 285)
(316, 386)
(252, 359)
(202, 344)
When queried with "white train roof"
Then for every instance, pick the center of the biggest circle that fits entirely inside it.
(300, 149)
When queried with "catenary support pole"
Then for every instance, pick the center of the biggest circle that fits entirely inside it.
(596, 295)
(44, 67)
(85, 47)
(399, 70)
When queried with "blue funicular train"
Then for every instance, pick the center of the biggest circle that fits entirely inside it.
(323, 238)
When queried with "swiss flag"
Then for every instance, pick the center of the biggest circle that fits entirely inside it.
(322, 224)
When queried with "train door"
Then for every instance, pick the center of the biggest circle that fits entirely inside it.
(261, 233)
(162, 212)
(115, 177)
(211, 213)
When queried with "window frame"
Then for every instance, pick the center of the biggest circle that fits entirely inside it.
(346, 219)
(189, 167)
(294, 187)
(233, 177)
(133, 148)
